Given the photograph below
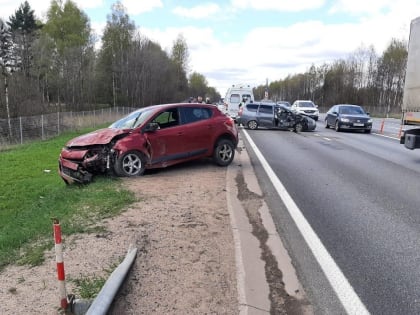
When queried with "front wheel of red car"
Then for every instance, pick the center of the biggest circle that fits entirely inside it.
(224, 152)
(131, 163)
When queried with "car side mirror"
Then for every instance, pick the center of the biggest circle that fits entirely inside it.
(151, 127)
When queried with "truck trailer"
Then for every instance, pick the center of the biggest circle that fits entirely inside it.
(411, 98)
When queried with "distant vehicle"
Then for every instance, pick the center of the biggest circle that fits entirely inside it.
(411, 97)
(274, 116)
(306, 107)
(151, 137)
(285, 103)
(348, 117)
(235, 95)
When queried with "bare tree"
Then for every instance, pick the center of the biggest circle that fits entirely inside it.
(9, 63)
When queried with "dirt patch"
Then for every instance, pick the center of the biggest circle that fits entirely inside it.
(185, 262)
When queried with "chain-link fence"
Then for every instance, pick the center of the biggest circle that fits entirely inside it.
(24, 129)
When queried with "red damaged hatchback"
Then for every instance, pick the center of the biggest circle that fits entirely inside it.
(151, 137)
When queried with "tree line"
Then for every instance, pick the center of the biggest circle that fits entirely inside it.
(54, 66)
(364, 78)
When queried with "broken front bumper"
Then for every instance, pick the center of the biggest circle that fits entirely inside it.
(70, 171)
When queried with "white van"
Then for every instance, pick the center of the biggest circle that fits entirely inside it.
(234, 96)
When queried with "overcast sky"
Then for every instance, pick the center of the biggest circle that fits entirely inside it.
(250, 41)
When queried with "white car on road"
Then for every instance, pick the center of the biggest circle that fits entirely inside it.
(306, 107)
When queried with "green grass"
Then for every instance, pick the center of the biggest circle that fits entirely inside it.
(32, 193)
(88, 286)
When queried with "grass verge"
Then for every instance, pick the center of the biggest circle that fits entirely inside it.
(32, 193)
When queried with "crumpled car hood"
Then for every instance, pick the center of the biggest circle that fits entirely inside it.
(101, 136)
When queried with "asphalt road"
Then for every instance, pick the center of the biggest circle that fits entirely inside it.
(360, 194)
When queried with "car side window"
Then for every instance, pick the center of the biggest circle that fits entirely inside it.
(168, 118)
(193, 114)
(266, 109)
(252, 107)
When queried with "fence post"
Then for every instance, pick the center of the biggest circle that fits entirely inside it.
(20, 129)
(58, 123)
(42, 127)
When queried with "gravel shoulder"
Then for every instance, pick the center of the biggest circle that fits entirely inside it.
(185, 261)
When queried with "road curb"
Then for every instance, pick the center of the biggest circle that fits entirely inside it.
(252, 286)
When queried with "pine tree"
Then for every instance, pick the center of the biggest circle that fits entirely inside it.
(23, 20)
(23, 26)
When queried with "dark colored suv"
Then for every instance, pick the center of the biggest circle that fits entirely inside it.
(151, 137)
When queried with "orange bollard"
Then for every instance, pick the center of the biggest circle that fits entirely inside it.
(399, 132)
(60, 264)
(382, 126)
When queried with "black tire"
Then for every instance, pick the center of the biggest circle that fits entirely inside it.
(326, 123)
(337, 126)
(131, 163)
(224, 152)
(252, 124)
(298, 127)
(368, 130)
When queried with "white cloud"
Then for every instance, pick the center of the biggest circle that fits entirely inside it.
(360, 6)
(135, 7)
(278, 5)
(198, 12)
(90, 4)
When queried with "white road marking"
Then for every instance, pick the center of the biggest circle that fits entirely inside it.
(381, 135)
(345, 292)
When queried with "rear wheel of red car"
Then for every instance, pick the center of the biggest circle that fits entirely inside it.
(224, 152)
(131, 163)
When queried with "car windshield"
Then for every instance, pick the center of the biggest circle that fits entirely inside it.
(351, 110)
(132, 120)
(306, 104)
